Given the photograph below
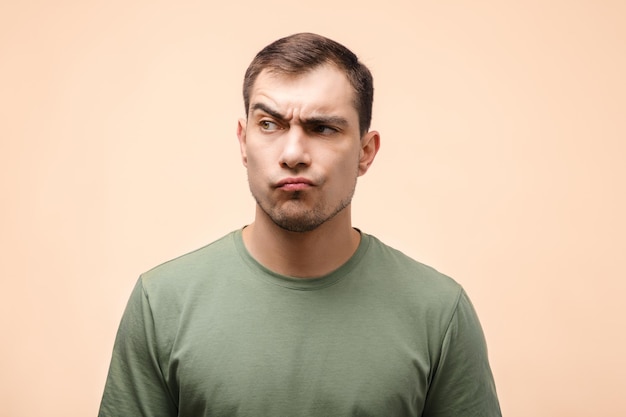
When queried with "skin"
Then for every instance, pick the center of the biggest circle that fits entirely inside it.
(303, 151)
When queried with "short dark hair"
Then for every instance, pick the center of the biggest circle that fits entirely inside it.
(303, 52)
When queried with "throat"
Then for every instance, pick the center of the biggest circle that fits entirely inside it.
(300, 255)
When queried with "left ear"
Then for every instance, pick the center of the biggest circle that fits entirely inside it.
(370, 143)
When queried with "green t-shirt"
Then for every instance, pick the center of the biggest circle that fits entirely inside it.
(214, 333)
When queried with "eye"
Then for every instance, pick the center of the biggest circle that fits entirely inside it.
(324, 130)
(268, 125)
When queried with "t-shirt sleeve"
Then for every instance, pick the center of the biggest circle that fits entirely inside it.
(135, 384)
(462, 383)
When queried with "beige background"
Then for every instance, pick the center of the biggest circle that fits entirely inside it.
(502, 164)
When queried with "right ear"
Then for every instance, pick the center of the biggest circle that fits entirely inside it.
(241, 135)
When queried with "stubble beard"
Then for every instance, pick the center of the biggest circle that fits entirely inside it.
(302, 220)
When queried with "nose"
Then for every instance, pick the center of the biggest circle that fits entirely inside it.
(295, 152)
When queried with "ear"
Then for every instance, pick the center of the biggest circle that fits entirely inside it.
(370, 143)
(241, 135)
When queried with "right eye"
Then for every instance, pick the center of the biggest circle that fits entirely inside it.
(268, 126)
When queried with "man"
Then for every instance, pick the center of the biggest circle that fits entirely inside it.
(299, 313)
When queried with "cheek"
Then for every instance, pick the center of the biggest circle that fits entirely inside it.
(345, 172)
(255, 158)
(350, 162)
(258, 167)
(262, 155)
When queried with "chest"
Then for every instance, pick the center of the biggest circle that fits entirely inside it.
(298, 358)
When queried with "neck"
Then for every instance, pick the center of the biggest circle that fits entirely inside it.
(302, 254)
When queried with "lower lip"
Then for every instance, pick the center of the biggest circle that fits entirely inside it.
(296, 186)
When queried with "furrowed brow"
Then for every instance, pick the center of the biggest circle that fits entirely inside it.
(310, 121)
(266, 109)
(326, 120)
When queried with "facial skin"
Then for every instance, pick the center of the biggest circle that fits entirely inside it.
(302, 147)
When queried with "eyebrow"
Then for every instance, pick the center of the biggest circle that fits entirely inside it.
(311, 121)
(266, 109)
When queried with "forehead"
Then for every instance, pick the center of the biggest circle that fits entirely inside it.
(324, 89)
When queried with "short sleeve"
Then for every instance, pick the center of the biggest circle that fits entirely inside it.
(135, 384)
(462, 383)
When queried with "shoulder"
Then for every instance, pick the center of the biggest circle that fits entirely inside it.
(190, 269)
(400, 269)
(421, 301)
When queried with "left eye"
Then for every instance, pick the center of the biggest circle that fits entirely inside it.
(324, 130)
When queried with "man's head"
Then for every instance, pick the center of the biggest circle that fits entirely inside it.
(303, 52)
(303, 141)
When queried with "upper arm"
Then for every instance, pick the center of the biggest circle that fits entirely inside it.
(462, 383)
(135, 384)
